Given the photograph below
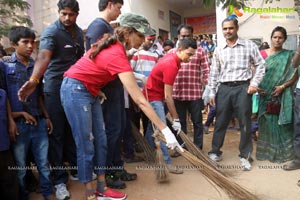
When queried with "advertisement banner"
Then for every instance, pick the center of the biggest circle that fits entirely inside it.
(203, 24)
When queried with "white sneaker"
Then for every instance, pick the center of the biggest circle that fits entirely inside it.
(215, 157)
(245, 164)
(61, 192)
(74, 177)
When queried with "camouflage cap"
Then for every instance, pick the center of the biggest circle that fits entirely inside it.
(139, 22)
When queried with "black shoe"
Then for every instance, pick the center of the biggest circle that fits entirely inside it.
(133, 159)
(175, 154)
(291, 166)
(125, 176)
(114, 182)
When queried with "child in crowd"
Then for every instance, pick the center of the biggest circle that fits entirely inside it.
(31, 117)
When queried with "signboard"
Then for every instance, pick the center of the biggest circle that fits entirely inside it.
(203, 24)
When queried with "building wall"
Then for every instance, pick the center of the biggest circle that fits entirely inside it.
(260, 24)
(44, 12)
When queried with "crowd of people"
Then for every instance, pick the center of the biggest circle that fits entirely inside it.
(74, 103)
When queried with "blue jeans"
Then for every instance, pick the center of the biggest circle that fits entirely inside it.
(211, 115)
(61, 143)
(297, 126)
(34, 138)
(158, 106)
(84, 114)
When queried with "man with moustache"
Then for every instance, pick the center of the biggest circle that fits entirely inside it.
(231, 70)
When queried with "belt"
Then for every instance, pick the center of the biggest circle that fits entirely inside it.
(23, 120)
(235, 83)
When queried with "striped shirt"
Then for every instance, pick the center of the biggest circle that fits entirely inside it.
(142, 63)
(191, 77)
(234, 64)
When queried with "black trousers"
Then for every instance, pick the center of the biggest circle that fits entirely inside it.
(229, 100)
(8, 177)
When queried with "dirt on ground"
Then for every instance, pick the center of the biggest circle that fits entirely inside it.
(266, 180)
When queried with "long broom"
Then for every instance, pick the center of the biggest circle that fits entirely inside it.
(161, 170)
(157, 158)
(214, 176)
(193, 149)
(149, 151)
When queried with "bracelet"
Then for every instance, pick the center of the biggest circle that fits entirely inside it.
(35, 79)
(282, 86)
(296, 52)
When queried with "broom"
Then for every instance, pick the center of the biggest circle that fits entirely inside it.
(148, 150)
(193, 149)
(214, 176)
(161, 170)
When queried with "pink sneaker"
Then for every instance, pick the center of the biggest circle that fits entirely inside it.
(111, 194)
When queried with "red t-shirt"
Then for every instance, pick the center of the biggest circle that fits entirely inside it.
(164, 72)
(94, 74)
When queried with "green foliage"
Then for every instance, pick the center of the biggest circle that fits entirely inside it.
(11, 14)
(226, 3)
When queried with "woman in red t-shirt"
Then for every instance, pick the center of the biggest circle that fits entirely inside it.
(80, 92)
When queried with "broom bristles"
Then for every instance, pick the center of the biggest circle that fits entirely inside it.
(148, 150)
(233, 190)
(161, 171)
(192, 148)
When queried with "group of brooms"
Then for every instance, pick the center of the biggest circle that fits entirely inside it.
(210, 169)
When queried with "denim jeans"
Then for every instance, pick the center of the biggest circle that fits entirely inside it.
(211, 115)
(84, 114)
(158, 106)
(34, 138)
(61, 143)
(195, 108)
(297, 126)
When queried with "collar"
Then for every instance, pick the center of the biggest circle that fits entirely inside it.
(14, 59)
(239, 41)
(62, 27)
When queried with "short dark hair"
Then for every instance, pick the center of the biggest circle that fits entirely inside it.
(168, 43)
(279, 29)
(73, 4)
(185, 43)
(185, 26)
(231, 18)
(18, 32)
(103, 3)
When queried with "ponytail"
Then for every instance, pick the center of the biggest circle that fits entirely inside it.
(108, 40)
